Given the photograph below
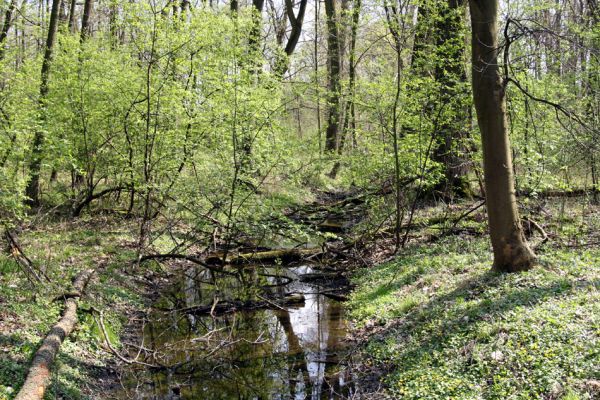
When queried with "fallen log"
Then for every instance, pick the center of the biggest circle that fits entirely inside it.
(38, 376)
(285, 255)
(319, 276)
(231, 306)
(576, 192)
(186, 257)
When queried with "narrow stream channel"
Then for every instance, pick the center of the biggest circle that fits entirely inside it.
(294, 352)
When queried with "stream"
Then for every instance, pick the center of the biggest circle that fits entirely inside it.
(291, 352)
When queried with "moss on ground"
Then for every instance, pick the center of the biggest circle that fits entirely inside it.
(443, 326)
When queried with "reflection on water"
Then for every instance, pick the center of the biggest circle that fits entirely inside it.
(286, 353)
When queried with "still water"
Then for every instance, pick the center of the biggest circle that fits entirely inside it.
(279, 353)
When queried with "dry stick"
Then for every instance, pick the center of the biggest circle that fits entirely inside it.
(538, 228)
(462, 216)
(21, 258)
(38, 377)
(22, 261)
(116, 353)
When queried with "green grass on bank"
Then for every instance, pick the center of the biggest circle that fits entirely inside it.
(27, 313)
(443, 326)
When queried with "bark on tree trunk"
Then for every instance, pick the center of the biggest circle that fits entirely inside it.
(349, 127)
(511, 253)
(72, 15)
(451, 75)
(85, 20)
(33, 186)
(38, 377)
(6, 26)
(334, 66)
(254, 41)
(282, 62)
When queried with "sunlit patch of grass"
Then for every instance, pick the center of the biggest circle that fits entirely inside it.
(449, 328)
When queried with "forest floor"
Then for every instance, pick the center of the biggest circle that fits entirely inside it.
(433, 321)
(63, 249)
(438, 324)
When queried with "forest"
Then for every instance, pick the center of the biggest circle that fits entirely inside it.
(299, 199)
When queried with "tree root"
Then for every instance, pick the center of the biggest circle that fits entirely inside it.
(38, 377)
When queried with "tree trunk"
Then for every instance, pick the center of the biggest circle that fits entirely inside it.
(33, 186)
(6, 26)
(254, 41)
(511, 252)
(38, 377)
(451, 76)
(72, 15)
(282, 62)
(85, 19)
(349, 127)
(334, 65)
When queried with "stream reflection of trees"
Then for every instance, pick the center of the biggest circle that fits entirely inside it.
(267, 354)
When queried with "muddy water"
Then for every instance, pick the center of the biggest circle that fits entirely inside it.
(281, 353)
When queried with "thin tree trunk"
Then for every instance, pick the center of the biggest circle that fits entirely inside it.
(511, 252)
(72, 16)
(350, 121)
(33, 186)
(254, 41)
(6, 26)
(317, 88)
(334, 64)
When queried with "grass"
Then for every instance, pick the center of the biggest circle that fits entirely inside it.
(443, 326)
(27, 313)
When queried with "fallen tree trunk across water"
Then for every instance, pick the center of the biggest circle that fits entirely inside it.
(230, 306)
(38, 377)
(285, 255)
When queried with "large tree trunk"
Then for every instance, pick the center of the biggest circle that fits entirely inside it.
(33, 186)
(450, 74)
(85, 20)
(511, 252)
(334, 66)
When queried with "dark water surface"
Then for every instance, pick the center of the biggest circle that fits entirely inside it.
(281, 353)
